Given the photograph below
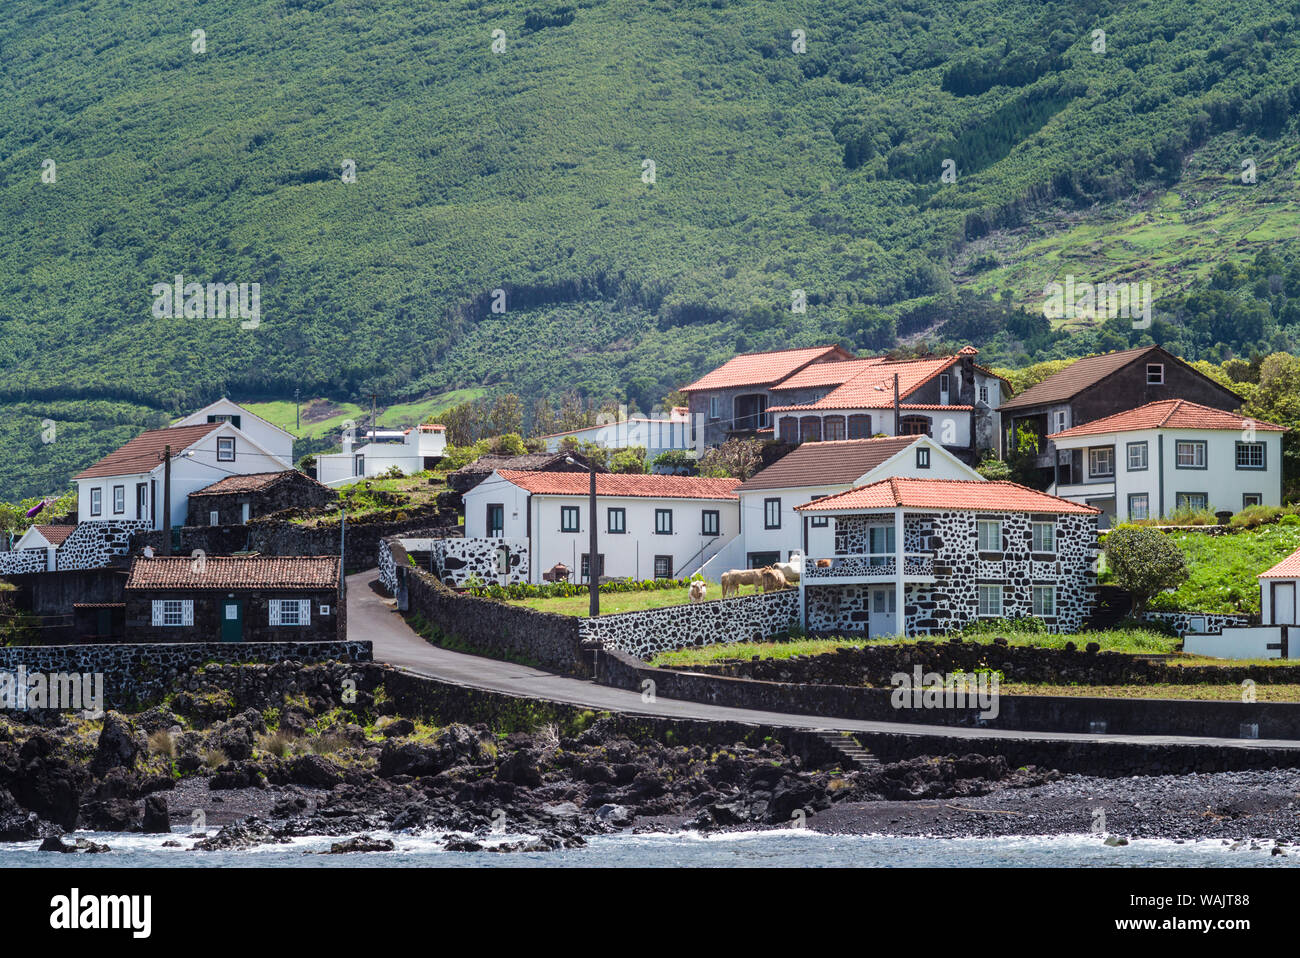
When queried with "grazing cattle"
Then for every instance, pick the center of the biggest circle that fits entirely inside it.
(792, 569)
(557, 573)
(773, 580)
(733, 580)
(699, 591)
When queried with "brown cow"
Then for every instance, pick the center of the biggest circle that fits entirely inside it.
(773, 580)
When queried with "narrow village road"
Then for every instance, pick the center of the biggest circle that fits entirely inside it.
(372, 617)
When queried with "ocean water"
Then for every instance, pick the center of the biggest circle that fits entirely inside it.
(794, 848)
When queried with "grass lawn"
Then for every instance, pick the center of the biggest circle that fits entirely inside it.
(611, 602)
(360, 499)
(1225, 692)
(322, 417)
(1134, 641)
(1223, 568)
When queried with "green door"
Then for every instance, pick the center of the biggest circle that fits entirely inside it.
(232, 620)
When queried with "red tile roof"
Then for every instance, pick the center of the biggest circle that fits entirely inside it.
(869, 384)
(1288, 568)
(763, 369)
(55, 535)
(963, 495)
(619, 484)
(828, 374)
(313, 573)
(827, 463)
(144, 452)
(252, 482)
(1168, 414)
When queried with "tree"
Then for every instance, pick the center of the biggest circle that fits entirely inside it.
(507, 415)
(1144, 562)
(735, 458)
(1277, 399)
(630, 460)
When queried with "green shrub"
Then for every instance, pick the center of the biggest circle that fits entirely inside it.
(1144, 562)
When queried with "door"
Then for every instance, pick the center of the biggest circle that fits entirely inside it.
(884, 613)
(1284, 603)
(141, 501)
(496, 520)
(232, 620)
(880, 545)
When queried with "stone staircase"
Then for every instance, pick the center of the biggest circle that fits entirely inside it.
(847, 748)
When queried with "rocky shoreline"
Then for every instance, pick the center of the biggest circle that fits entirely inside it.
(242, 756)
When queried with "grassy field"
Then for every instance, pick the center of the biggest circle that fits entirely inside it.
(1223, 568)
(321, 418)
(1135, 641)
(1226, 692)
(612, 602)
(360, 498)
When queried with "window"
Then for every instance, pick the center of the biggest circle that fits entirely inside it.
(984, 394)
(585, 566)
(1155, 374)
(1043, 535)
(214, 518)
(922, 458)
(324, 610)
(224, 417)
(833, 428)
(663, 567)
(914, 426)
(880, 544)
(358, 465)
(569, 519)
(1062, 418)
(1250, 455)
(1137, 456)
(617, 521)
(1251, 499)
(225, 449)
(943, 382)
(1139, 506)
(810, 429)
(859, 426)
(771, 513)
(990, 600)
(496, 520)
(1044, 600)
(820, 522)
(1101, 461)
(789, 429)
(663, 522)
(173, 612)
(289, 611)
(119, 500)
(96, 502)
(713, 407)
(710, 522)
(988, 532)
(1189, 454)
(1196, 501)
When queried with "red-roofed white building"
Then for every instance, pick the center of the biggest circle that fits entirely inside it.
(648, 526)
(410, 450)
(826, 395)
(1168, 455)
(924, 556)
(1277, 634)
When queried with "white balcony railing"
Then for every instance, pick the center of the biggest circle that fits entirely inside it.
(868, 566)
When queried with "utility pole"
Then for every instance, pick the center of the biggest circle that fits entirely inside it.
(898, 429)
(374, 424)
(343, 552)
(167, 501)
(593, 564)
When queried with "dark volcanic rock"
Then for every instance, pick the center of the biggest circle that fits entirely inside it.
(362, 843)
(157, 820)
(120, 745)
(314, 772)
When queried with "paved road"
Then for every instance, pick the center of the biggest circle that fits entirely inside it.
(370, 616)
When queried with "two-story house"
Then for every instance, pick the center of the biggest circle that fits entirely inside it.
(1173, 454)
(1097, 386)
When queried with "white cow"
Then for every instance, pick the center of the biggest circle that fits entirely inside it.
(792, 569)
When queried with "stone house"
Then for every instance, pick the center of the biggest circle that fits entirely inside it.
(235, 599)
(234, 500)
(945, 552)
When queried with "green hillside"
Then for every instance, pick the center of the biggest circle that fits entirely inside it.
(525, 171)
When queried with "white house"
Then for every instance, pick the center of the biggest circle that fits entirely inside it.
(418, 448)
(649, 526)
(268, 436)
(655, 434)
(1167, 455)
(1278, 634)
(770, 527)
(126, 486)
(36, 549)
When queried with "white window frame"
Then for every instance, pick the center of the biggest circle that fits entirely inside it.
(983, 527)
(1146, 505)
(1155, 374)
(1198, 447)
(984, 395)
(1041, 609)
(1250, 447)
(299, 611)
(1043, 536)
(714, 408)
(119, 500)
(97, 501)
(1094, 455)
(224, 444)
(173, 613)
(1062, 420)
(985, 591)
(1138, 447)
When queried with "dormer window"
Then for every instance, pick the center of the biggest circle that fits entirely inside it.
(1155, 374)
